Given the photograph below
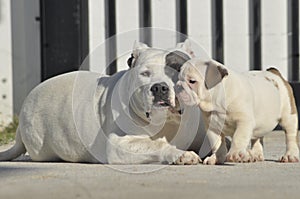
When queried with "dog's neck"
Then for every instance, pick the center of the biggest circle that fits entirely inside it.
(137, 112)
(215, 101)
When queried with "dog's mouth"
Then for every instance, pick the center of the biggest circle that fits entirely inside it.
(159, 105)
(162, 104)
(165, 105)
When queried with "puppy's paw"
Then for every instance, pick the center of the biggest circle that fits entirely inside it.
(241, 156)
(289, 157)
(211, 160)
(188, 158)
(256, 156)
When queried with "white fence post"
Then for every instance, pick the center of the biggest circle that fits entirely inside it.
(274, 35)
(236, 34)
(96, 36)
(127, 29)
(164, 17)
(26, 49)
(6, 98)
(199, 24)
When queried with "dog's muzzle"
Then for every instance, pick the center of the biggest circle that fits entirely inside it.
(178, 88)
(161, 93)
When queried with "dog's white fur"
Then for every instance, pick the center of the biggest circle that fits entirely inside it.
(244, 106)
(79, 117)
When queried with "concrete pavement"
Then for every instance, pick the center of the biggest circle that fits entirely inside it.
(268, 179)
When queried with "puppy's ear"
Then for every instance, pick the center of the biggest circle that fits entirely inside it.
(138, 47)
(186, 46)
(214, 74)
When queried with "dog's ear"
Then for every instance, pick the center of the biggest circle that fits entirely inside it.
(214, 74)
(130, 61)
(176, 59)
(186, 46)
(138, 47)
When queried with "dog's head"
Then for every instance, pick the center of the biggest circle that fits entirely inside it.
(196, 79)
(154, 73)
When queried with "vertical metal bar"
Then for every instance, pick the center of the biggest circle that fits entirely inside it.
(0, 11)
(293, 50)
(255, 34)
(217, 30)
(110, 32)
(42, 19)
(293, 40)
(296, 89)
(84, 30)
(181, 20)
(145, 21)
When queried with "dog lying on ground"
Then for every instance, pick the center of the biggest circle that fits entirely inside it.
(244, 106)
(127, 118)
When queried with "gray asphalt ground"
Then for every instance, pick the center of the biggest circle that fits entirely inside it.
(269, 179)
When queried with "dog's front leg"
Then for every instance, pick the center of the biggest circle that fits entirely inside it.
(133, 149)
(238, 151)
(219, 151)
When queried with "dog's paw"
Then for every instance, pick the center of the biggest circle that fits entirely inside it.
(188, 158)
(239, 156)
(211, 160)
(289, 157)
(256, 156)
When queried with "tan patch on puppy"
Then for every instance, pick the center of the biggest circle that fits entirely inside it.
(289, 89)
(272, 81)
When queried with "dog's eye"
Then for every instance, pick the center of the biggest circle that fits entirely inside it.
(191, 81)
(146, 73)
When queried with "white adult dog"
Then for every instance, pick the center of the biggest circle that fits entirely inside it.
(126, 118)
(244, 106)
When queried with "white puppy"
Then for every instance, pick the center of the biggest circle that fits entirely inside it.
(244, 106)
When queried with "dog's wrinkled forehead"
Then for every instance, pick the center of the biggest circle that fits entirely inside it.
(193, 68)
(151, 57)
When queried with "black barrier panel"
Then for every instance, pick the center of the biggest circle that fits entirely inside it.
(296, 90)
(293, 50)
(255, 34)
(181, 20)
(217, 30)
(145, 20)
(110, 31)
(64, 35)
(293, 40)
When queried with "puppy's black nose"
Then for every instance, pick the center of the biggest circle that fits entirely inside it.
(160, 89)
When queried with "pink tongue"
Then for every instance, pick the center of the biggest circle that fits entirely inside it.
(161, 102)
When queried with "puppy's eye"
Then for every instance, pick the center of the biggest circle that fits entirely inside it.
(191, 81)
(146, 73)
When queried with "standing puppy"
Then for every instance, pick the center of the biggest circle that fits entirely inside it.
(244, 106)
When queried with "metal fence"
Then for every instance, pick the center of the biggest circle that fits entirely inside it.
(53, 36)
(266, 32)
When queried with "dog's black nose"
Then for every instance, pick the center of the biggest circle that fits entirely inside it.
(160, 89)
(160, 92)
